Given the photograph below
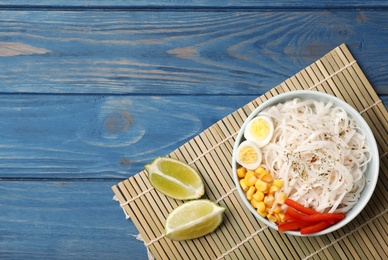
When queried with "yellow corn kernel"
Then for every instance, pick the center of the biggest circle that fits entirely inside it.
(282, 198)
(262, 174)
(262, 186)
(266, 177)
(281, 217)
(277, 210)
(269, 200)
(250, 178)
(260, 170)
(255, 203)
(250, 192)
(272, 218)
(243, 185)
(263, 214)
(278, 183)
(261, 207)
(259, 195)
(241, 172)
(273, 189)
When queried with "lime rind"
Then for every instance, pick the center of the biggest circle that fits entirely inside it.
(168, 179)
(197, 227)
(183, 234)
(154, 170)
(200, 220)
(173, 188)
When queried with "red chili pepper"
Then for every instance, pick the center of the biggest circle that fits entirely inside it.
(293, 214)
(328, 217)
(308, 220)
(314, 228)
(290, 226)
(299, 207)
(288, 217)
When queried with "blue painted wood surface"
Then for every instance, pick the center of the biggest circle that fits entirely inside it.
(149, 4)
(149, 52)
(92, 90)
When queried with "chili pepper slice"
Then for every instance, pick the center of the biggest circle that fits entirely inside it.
(291, 226)
(293, 204)
(314, 228)
(328, 217)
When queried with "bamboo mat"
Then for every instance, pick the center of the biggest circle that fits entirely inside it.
(241, 236)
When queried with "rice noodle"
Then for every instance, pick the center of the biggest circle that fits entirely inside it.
(319, 153)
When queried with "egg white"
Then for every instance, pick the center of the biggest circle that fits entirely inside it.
(250, 136)
(253, 165)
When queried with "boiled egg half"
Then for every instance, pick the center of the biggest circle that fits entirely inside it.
(259, 130)
(249, 155)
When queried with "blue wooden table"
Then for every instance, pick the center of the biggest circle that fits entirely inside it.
(90, 91)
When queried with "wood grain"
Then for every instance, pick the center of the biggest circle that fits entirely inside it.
(147, 4)
(64, 220)
(207, 53)
(99, 136)
(14, 49)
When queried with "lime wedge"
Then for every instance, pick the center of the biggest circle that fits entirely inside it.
(193, 219)
(175, 178)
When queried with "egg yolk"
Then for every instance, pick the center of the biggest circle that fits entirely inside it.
(248, 155)
(260, 129)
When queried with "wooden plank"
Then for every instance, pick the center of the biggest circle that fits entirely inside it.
(108, 137)
(99, 136)
(228, 4)
(64, 220)
(153, 52)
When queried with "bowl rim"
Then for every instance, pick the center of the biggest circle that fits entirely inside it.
(373, 165)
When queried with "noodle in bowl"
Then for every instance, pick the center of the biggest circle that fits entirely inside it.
(323, 151)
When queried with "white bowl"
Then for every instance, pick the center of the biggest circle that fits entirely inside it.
(371, 173)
